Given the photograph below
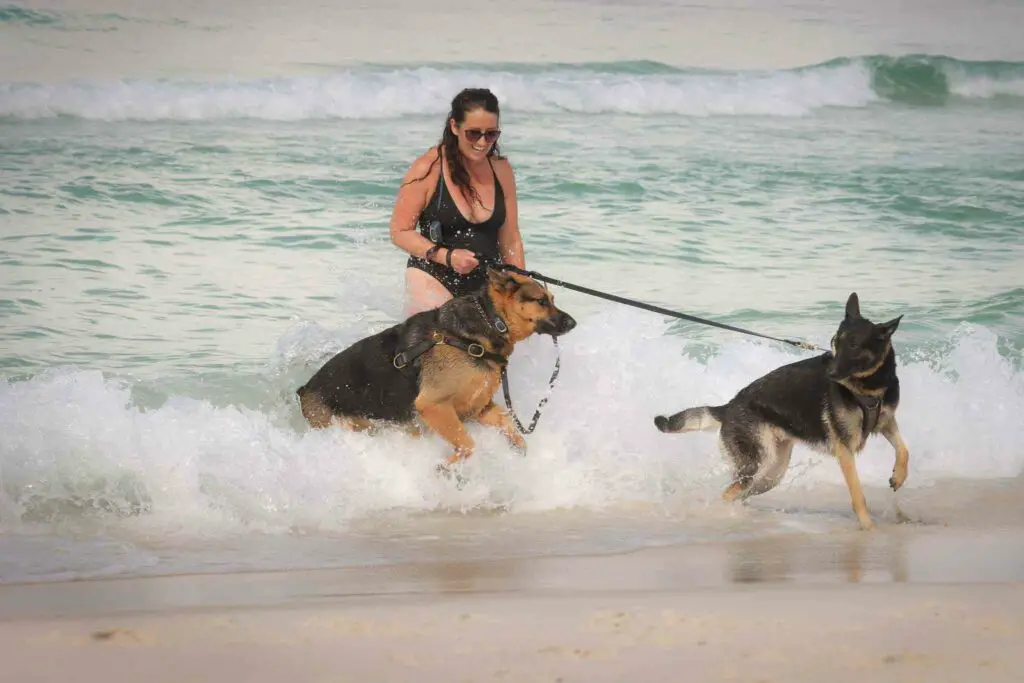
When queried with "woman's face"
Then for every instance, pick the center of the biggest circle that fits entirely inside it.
(477, 134)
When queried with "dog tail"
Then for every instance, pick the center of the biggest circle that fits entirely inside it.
(701, 419)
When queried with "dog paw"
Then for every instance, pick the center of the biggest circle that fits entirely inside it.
(518, 443)
(897, 479)
(867, 525)
(445, 471)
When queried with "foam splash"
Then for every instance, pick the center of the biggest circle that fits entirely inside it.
(77, 444)
(644, 88)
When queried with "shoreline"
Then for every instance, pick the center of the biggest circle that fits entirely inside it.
(920, 601)
(915, 555)
(469, 623)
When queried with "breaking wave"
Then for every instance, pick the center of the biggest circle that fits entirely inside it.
(81, 443)
(632, 87)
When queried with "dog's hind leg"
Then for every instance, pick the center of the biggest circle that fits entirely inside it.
(744, 453)
(774, 465)
(412, 429)
(355, 424)
(760, 462)
(849, 467)
(316, 412)
(441, 417)
(891, 431)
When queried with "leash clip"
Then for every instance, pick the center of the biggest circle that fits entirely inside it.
(476, 350)
(439, 338)
(400, 358)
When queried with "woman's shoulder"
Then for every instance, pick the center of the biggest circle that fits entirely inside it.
(423, 165)
(503, 167)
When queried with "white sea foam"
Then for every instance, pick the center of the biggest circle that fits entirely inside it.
(623, 88)
(75, 441)
(367, 94)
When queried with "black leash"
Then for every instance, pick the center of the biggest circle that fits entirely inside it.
(656, 309)
(404, 358)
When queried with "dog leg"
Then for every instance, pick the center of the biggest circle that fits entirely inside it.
(319, 416)
(356, 424)
(412, 429)
(849, 467)
(776, 459)
(493, 416)
(316, 412)
(744, 453)
(753, 480)
(891, 432)
(442, 418)
(735, 490)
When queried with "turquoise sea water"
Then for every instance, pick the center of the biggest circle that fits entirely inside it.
(186, 234)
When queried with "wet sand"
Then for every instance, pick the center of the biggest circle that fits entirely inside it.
(905, 603)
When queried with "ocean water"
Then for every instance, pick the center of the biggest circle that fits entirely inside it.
(194, 204)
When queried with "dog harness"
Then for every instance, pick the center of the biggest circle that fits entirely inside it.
(476, 350)
(871, 407)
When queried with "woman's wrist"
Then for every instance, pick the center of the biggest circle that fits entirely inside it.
(431, 253)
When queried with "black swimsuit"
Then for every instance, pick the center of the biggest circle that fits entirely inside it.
(457, 232)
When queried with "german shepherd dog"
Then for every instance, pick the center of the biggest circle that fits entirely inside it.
(439, 367)
(831, 403)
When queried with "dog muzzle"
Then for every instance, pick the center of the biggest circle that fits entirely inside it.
(557, 325)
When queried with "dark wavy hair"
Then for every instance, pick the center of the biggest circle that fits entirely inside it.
(469, 99)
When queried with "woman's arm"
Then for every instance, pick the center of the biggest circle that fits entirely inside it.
(409, 203)
(510, 242)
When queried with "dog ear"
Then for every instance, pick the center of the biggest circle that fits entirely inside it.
(502, 280)
(886, 330)
(853, 307)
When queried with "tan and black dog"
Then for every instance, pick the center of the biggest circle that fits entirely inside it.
(439, 367)
(832, 403)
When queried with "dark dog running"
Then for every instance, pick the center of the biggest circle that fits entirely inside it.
(440, 367)
(831, 402)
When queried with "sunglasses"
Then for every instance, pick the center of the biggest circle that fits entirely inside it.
(474, 134)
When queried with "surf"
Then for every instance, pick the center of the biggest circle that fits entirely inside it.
(637, 88)
(85, 444)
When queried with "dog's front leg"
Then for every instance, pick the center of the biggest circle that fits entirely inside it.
(493, 416)
(891, 432)
(849, 467)
(441, 417)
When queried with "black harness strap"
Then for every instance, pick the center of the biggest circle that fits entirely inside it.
(871, 407)
(474, 349)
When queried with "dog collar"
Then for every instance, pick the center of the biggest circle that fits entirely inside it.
(491, 315)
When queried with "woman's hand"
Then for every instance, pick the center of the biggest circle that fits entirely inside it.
(463, 261)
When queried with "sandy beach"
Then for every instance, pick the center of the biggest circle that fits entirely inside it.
(906, 603)
(776, 633)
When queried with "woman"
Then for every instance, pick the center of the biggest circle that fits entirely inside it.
(456, 210)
